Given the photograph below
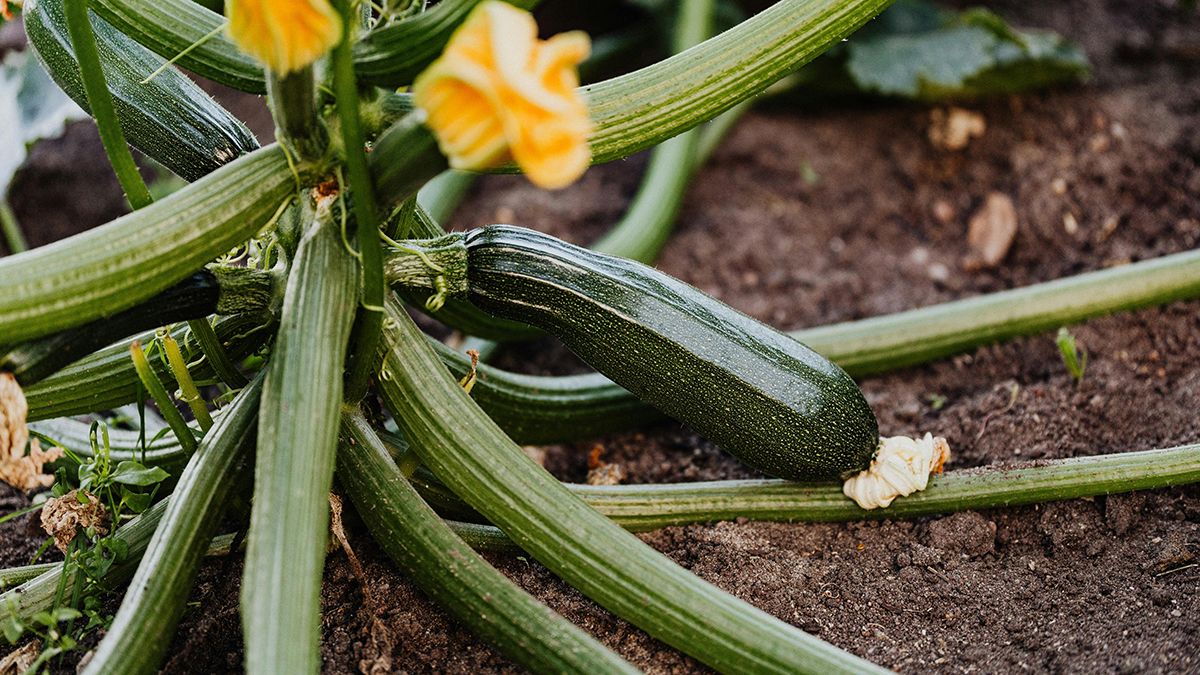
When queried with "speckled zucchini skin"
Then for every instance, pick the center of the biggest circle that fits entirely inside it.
(169, 118)
(762, 396)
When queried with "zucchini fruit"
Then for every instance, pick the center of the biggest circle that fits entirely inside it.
(168, 118)
(762, 396)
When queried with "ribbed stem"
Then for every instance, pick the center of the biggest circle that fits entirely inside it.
(37, 359)
(141, 632)
(649, 507)
(457, 578)
(101, 104)
(293, 102)
(14, 239)
(365, 336)
(466, 450)
(116, 266)
(297, 437)
(215, 354)
(169, 27)
(647, 223)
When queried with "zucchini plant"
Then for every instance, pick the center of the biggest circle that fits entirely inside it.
(271, 291)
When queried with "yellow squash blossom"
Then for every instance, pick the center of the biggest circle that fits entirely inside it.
(498, 93)
(285, 35)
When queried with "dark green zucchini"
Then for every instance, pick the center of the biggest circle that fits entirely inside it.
(762, 396)
(168, 118)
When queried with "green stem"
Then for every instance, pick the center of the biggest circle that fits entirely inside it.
(13, 237)
(15, 576)
(215, 354)
(116, 266)
(466, 450)
(140, 634)
(166, 406)
(365, 337)
(172, 27)
(187, 386)
(298, 123)
(37, 359)
(456, 577)
(644, 229)
(124, 444)
(101, 104)
(297, 438)
(648, 507)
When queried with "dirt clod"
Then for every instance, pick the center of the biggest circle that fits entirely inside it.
(991, 232)
(968, 533)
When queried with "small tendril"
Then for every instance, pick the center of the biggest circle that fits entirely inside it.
(436, 301)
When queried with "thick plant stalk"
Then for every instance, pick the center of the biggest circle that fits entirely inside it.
(298, 123)
(297, 436)
(466, 450)
(101, 104)
(189, 31)
(15, 576)
(124, 444)
(649, 507)
(35, 360)
(141, 632)
(647, 223)
(365, 336)
(462, 582)
(118, 265)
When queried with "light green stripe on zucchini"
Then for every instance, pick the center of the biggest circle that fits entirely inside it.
(465, 449)
(115, 266)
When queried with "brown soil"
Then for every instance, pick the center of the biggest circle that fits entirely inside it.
(1100, 585)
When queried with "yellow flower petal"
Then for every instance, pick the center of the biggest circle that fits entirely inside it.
(285, 35)
(499, 93)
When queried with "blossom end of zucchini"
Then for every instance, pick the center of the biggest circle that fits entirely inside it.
(902, 466)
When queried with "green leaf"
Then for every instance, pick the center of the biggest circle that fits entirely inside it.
(136, 502)
(130, 472)
(916, 50)
(13, 630)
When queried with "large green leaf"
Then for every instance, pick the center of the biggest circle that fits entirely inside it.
(919, 51)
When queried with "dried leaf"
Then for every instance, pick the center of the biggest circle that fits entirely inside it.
(19, 470)
(63, 517)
